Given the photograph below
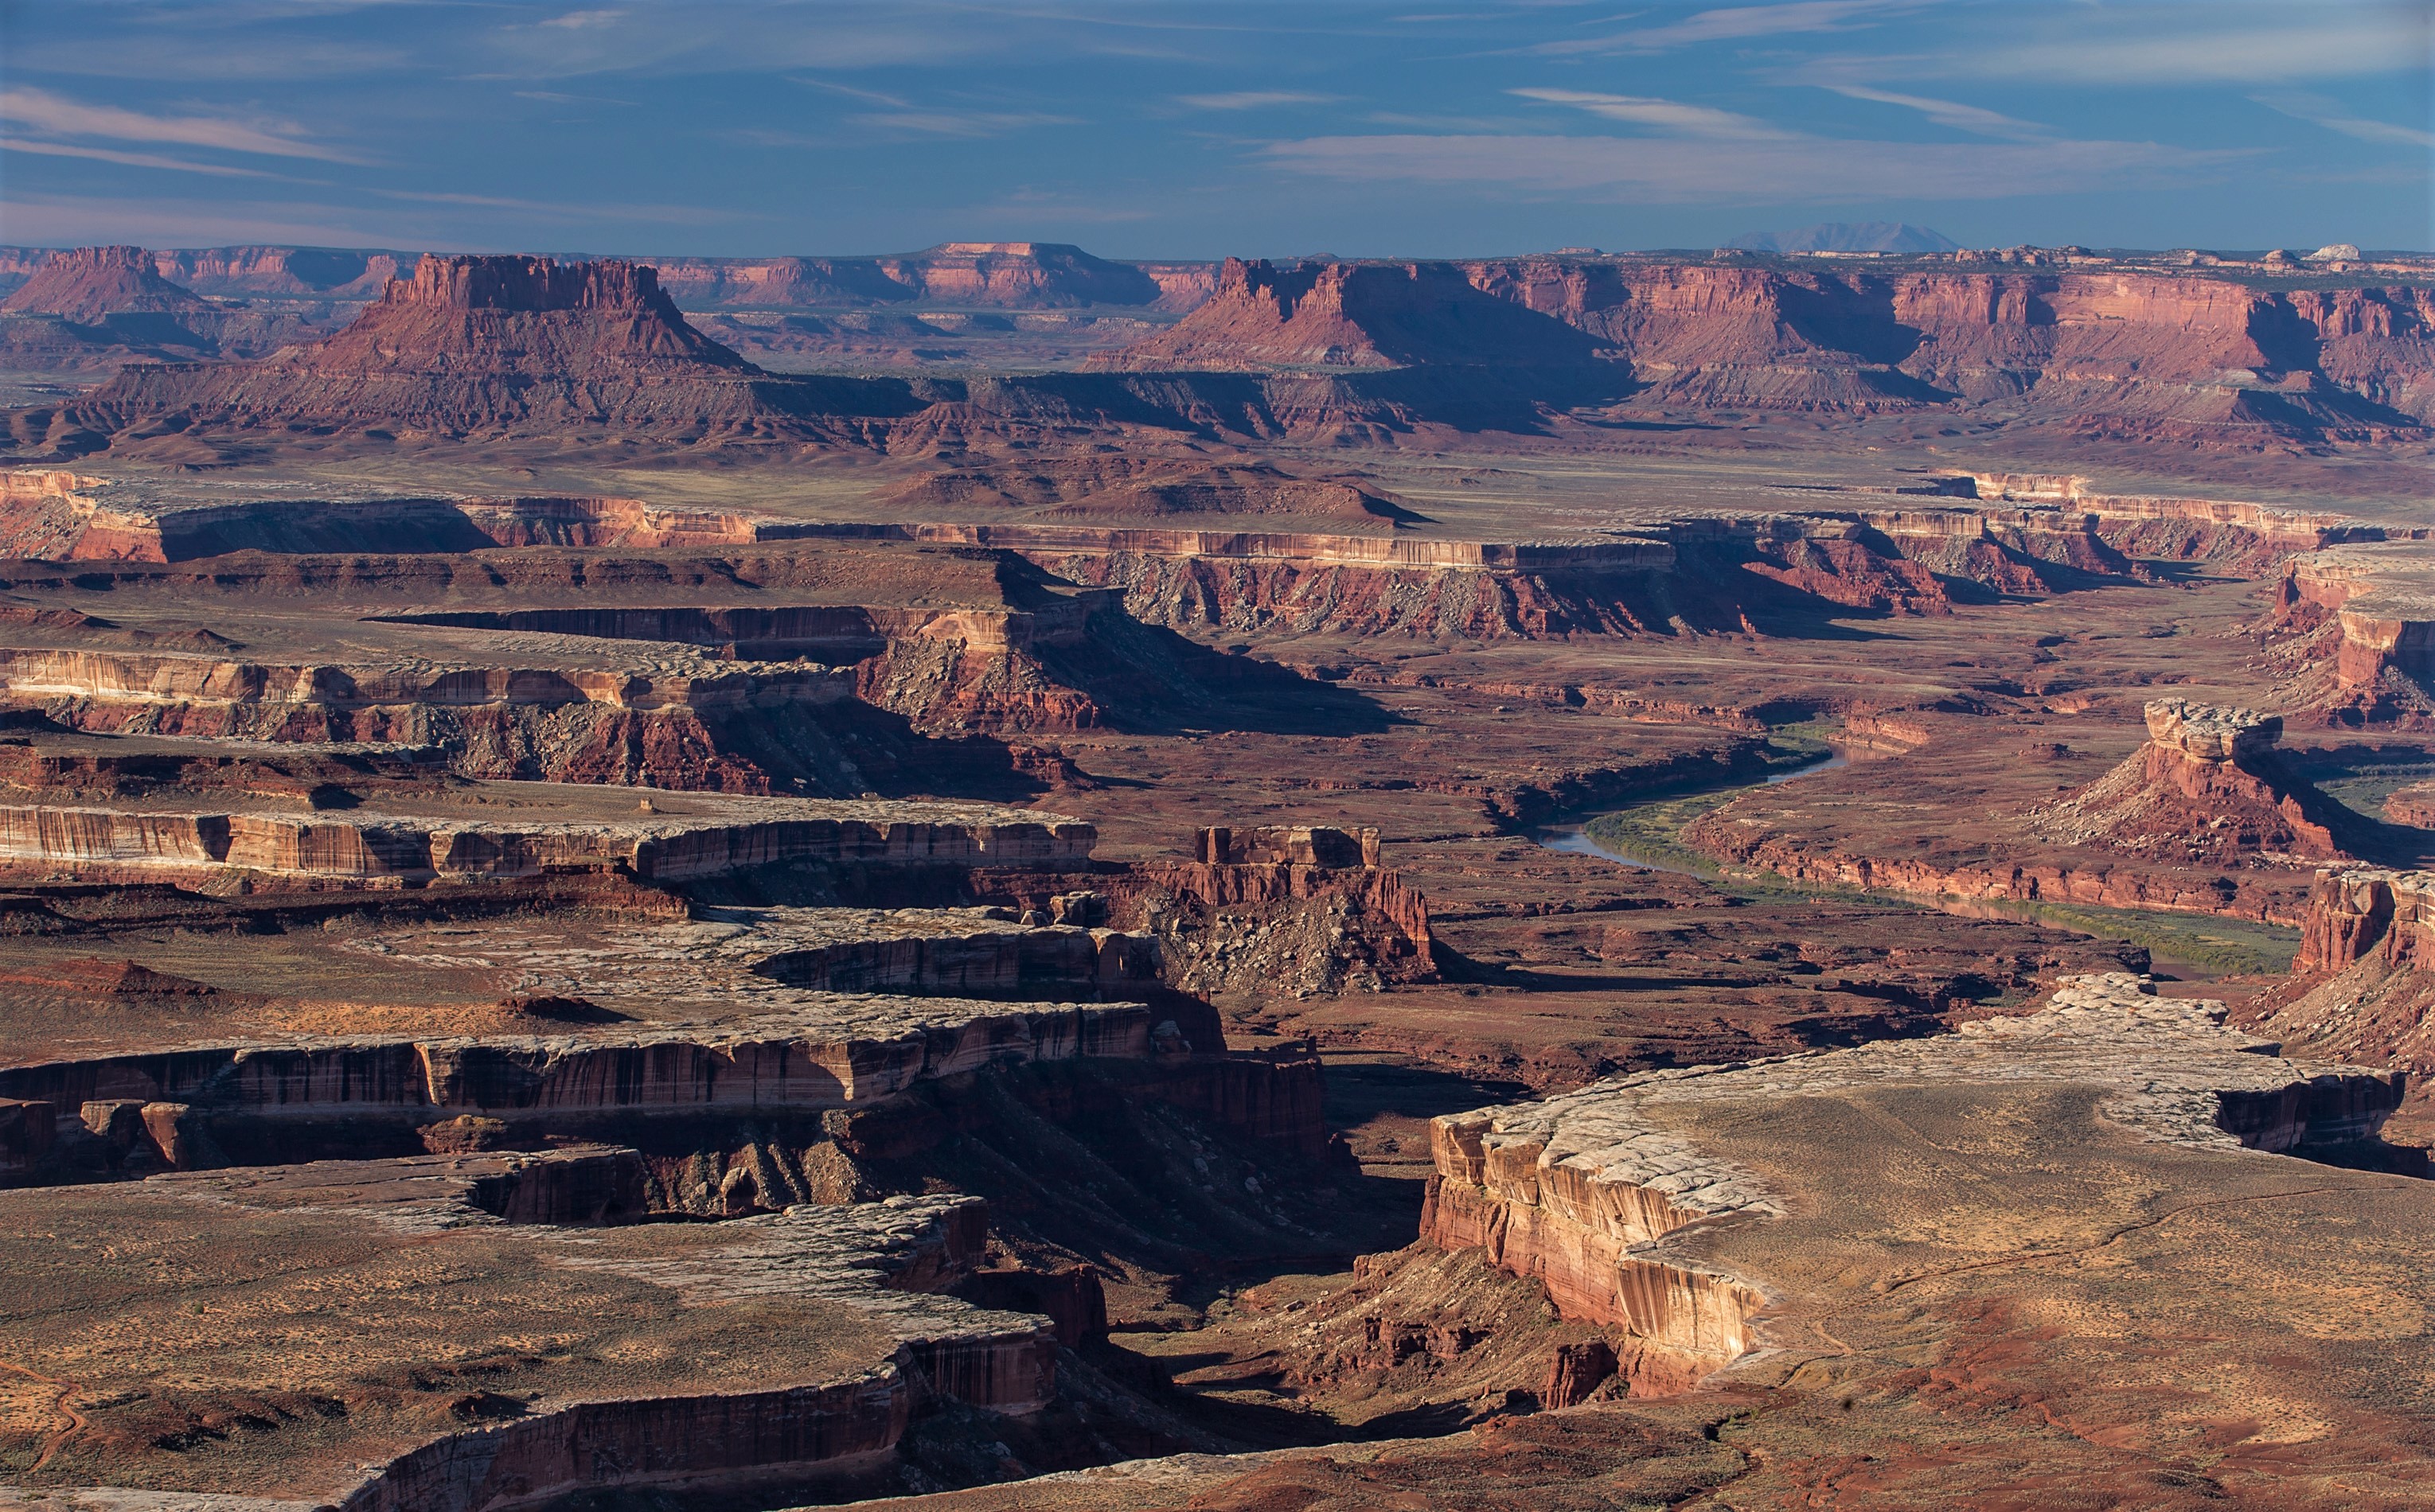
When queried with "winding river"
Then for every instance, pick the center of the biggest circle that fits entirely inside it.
(1575, 836)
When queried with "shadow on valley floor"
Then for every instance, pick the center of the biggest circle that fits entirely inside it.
(1153, 680)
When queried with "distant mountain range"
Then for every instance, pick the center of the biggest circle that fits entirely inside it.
(1839, 236)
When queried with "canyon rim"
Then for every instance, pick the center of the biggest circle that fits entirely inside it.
(1791, 869)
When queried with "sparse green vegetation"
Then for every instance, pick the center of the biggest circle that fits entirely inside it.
(1651, 834)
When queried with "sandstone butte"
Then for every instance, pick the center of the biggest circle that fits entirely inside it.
(99, 307)
(580, 920)
(2135, 354)
(1015, 275)
(93, 281)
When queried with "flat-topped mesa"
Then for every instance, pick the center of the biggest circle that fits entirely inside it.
(1286, 845)
(564, 832)
(1583, 1191)
(92, 283)
(2369, 913)
(2373, 601)
(2211, 733)
(2132, 354)
(1354, 315)
(797, 1343)
(676, 728)
(1021, 275)
(2207, 785)
(497, 348)
(521, 314)
(62, 517)
(681, 1089)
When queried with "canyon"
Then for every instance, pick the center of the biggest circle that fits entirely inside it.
(1000, 879)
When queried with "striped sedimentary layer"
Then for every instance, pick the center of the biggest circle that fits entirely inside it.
(1582, 1191)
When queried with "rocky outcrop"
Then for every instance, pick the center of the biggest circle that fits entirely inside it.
(488, 345)
(2101, 883)
(526, 316)
(1353, 315)
(2133, 352)
(1303, 908)
(699, 723)
(2371, 604)
(2206, 786)
(830, 1053)
(1284, 845)
(315, 273)
(875, 1278)
(1002, 275)
(2369, 913)
(1362, 353)
(92, 283)
(1591, 1190)
(985, 275)
(358, 848)
(1733, 574)
(99, 308)
(2362, 988)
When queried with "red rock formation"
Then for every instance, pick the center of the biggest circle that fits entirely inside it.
(2136, 352)
(361, 849)
(1352, 314)
(102, 307)
(521, 315)
(2371, 604)
(989, 275)
(2205, 787)
(1579, 1371)
(496, 346)
(2367, 915)
(1119, 486)
(285, 272)
(91, 283)
(2413, 805)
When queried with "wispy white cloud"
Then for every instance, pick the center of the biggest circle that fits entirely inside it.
(1798, 170)
(1950, 112)
(1734, 23)
(1252, 99)
(552, 97)
(959, 122)
(154, 221)
(1669, 115)
(762, 137)
(2334, 117)
(585, 211)
(579, 20)
(41, 110)
(133, 160)
(2213, 44)
(893, 102)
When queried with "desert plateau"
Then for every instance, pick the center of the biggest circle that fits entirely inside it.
(1798, 873)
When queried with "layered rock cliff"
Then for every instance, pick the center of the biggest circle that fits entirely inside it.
(2365, 616)
(1353, 315)
(2131, 352)
(361, 849)
(1596, 1191)
(2368, 914)
(2207, 786)
(491, 344)
(92, 283)
(2362, 988)
(101, 307)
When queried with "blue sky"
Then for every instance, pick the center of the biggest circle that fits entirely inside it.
(1426, 128)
